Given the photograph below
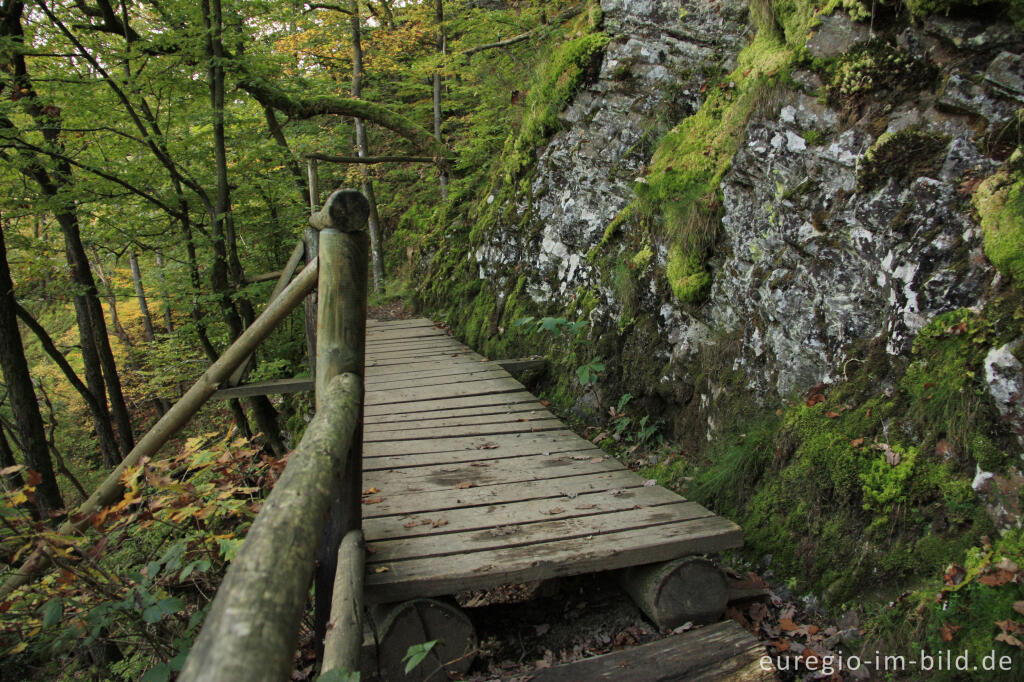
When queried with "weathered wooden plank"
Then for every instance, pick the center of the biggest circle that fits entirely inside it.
(609, 551)
(437, 348)
(446, 476)
(419, 365)
(437, 378)
(503, 385)
(502, 427)
(271, 387)
(394, 382)
(412, 461)
(464, 356)
(412, 499)
(458, 402)
(409, 322)
(416, 342)
(547, 529)
(513, 513)
(528, 443)
(392, 334)
(490, 400)
(512, 410)
(723, 651)
(481, 416)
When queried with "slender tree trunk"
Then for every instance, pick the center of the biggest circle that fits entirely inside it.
(160, 404)
(108, 289)
(164, 294)
(439, 18)
(98, 410)
(363, 149)
(82, 275)
(226, 261)
(140, 295)
(22, 396)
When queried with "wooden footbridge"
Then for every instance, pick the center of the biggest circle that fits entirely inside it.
(458, 478)
(475, 483)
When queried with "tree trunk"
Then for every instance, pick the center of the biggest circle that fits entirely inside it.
(160, 404)
(98, 410)
(168, 319)
(22, 396)
(108, 288)
(226, 263)
(363, 149)
(140, 294)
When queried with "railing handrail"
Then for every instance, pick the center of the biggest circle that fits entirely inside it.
(251, 631)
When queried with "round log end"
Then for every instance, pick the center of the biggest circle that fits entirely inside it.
(400, 626)
(691, 589)
(346, 210)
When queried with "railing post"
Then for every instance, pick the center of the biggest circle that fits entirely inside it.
(341, 344)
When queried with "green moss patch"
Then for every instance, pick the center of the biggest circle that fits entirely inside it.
(560, 78)
(1000, 205)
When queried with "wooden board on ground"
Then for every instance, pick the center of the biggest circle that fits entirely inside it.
(723, 651)
(470, 482)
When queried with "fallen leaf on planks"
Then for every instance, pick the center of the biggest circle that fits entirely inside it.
(411, 524)
(595, 460)
(439, 523)
(462, 485)
(586, 506)
(370, 491)
(555, 510)
(381, 569)
(373, 500)
(487, 446)
(479, 464)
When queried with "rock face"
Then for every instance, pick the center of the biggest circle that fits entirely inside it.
(652, 71)
(839, 225)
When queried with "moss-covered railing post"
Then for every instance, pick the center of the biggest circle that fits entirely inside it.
(341, 343)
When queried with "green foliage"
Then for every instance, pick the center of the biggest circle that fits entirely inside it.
(415, 654)
(140, 582)
(588, 372)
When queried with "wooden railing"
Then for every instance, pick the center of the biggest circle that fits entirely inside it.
(251, 632)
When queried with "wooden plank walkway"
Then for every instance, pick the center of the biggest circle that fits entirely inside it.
(477, 484)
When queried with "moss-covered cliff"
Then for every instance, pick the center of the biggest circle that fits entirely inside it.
(793, 236)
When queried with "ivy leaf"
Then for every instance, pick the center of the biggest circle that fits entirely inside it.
(158, 673)
(52, 612)
(162, 608)
(415, 654)
(199, 566)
